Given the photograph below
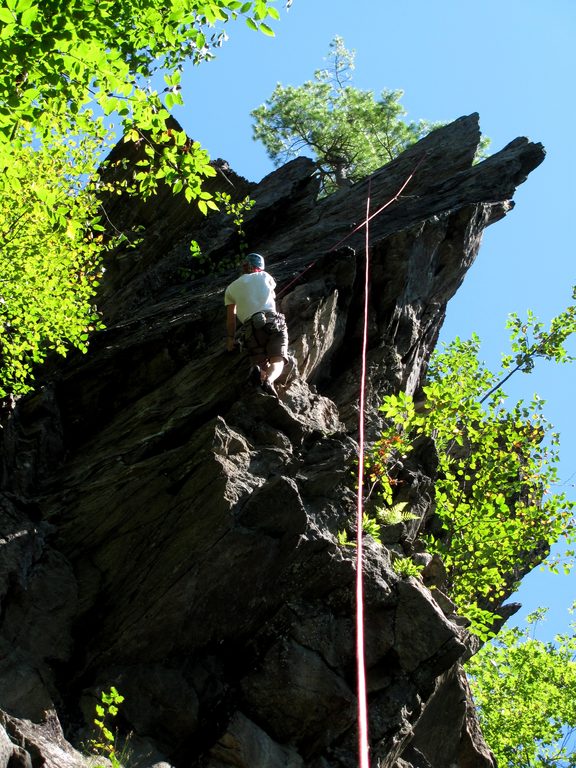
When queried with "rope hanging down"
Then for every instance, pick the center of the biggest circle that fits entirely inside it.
(363, 747)
(360, 663)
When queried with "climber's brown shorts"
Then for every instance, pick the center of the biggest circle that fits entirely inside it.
(269, 341)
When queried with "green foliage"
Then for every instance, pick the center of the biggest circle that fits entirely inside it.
(497, 468)
(348, 131)
(237, 211)
(344, 541)
(406, 568)
(66, 65)
(104, 742)
(69, 70)
(395, 514)
(50, 260)
(371, 526)
(525, 691)
(530, 341)
(386, 456)
(403, 566)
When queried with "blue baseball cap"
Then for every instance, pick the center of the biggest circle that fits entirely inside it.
(254, 260)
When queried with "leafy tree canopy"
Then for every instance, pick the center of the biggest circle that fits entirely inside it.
(66, 65)
(348, 131)
(525, 691)
(68, 70)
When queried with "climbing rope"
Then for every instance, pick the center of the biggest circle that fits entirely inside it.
(358, 227)
(363, 744)
(360, 663)
(363, 748)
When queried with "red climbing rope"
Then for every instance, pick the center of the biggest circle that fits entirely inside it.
(295, 280)
(358, 227)
(363, 747)
(382, 207)
(360, 666)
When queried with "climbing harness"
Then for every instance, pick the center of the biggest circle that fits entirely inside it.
(260, 323)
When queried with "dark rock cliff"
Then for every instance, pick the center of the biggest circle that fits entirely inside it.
(169, 531)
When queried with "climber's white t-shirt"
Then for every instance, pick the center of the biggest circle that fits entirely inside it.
(252, 292)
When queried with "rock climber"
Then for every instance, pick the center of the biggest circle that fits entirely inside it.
(251, 299)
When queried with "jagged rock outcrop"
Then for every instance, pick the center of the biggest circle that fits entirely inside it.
(171, 532)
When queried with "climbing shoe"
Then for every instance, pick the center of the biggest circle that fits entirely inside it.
(254, 376)
(268, 388)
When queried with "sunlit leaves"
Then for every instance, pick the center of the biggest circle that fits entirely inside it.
(50, 261)
(531, 340)
(494, 492)
(525, 691)
(64, 61)
(104, 741)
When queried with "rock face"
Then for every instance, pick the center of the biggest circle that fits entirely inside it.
(173, 533)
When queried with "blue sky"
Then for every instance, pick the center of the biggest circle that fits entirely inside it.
(514, 64)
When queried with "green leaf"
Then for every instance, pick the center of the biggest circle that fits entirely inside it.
(23, 5)
(267, 30)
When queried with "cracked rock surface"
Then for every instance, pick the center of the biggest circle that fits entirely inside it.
(170, 531)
